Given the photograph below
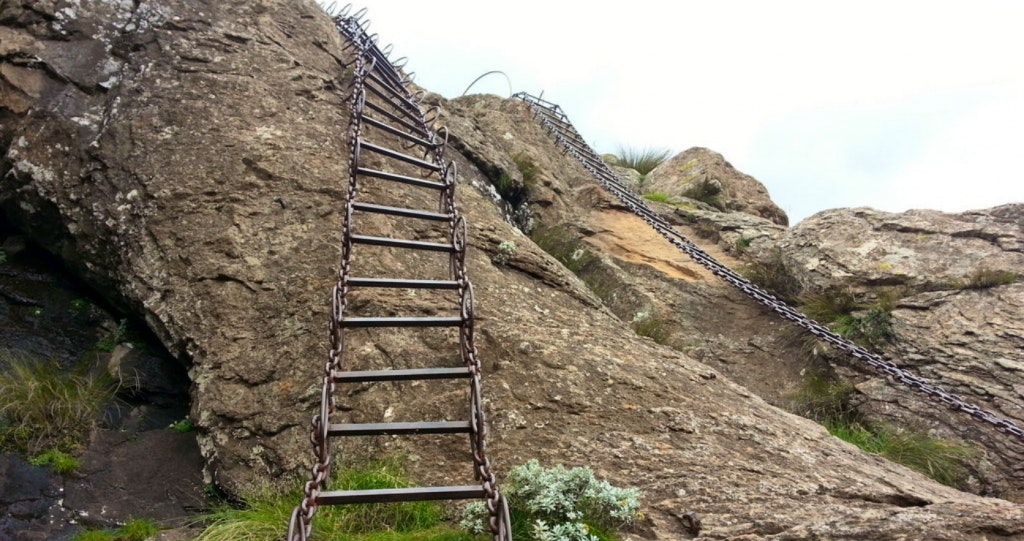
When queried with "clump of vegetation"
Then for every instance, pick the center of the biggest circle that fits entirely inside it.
(517, 193)
(78, 307)
(184, 425)
(264, 514)
(986, 278)
(939, 459)
(651, 327)
(134, 530)
(605, 286)
(3, 256)
(564, 246)
(113, 338)
(658, 197)
(57, 460)
(868, 324)
(560, 504)
(506, 250)
(830, 402)
(642, 160)
(706, 229)
(772, 275)
(706, 192)
(44, 406)
(742, 244)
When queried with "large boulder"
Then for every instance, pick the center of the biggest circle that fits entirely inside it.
(201, 188)
(704, 175)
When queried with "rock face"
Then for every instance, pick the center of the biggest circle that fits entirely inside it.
(966, 340)
(702, 174)
(201, 188)
(919, 248)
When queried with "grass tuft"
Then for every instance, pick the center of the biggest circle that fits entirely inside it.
(134, 530)
(986, 278)
(564, 246)
(57, 460)
(939, 459)
(706, 193)
(642, 160)
(774, 276)
(658, 197)
(44, 406)
(265, 514)
(652, 328)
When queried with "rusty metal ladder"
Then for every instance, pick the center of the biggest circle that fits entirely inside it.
(382, 105)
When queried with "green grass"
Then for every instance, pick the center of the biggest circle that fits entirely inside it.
(57, 460)
(184, 425)
(265, 515)
(868, 324)
(986, 278)
(830, 402)
(652, 328)
(642, 160)
(44, 406)
(742, 244)
(134, 530)
(939, 459)
(564, 246)
(658, 197)
(773, 275)
(3, 256)
(115, 337)
(705, 193)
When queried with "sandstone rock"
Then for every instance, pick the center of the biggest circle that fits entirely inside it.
(920, 248)
(206, 197)
(699, 170)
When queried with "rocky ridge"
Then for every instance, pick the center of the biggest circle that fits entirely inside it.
(204, 197)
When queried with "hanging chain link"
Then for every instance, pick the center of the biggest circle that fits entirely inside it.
(557, 123)
(391, 86)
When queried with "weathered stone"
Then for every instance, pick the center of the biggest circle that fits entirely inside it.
(705, 171)
(207, 198)
(920, 248)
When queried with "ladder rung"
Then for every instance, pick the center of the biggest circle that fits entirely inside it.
(396, 119)
(395, 131)
(339, 497)
(399, 156)
(403, 283)
(392, 429)
(401, 178)
(407, 374)
(402, 243)
(399, 211)
(365, 322)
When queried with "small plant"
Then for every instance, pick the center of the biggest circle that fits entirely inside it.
(658, 197)
(112, 339)
(134, 530)
(506, 250)
(773, 275)
(560, 504)
(867, 324)
(527, 168)
(742, 244)
(642, 160)
(706, 192)
(78, 307)
(986, 278)
(3, 256)
(604, 285)
(57, 460)
(939, 459)
(652, 328)
(265, 513)
(564, 246)
(825, 399)
(45, 406)
(184, 425)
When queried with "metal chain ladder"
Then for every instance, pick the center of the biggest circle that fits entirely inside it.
(382, 104)
(557, 123)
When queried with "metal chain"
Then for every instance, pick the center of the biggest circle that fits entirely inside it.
(557, 123)
(389, 84)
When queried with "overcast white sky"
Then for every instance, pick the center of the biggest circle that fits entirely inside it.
(891, 104)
